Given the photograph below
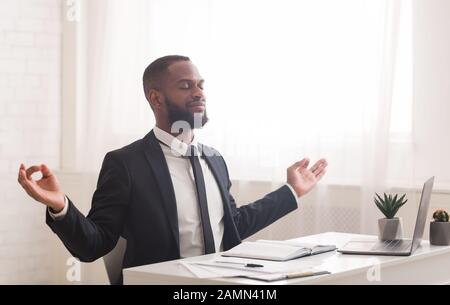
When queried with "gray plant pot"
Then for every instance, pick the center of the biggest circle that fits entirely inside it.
(390, 229)
(440, 233)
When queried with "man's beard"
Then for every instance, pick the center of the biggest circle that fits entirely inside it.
(176, 114)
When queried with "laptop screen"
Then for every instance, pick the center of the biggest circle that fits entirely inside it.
(422, 214)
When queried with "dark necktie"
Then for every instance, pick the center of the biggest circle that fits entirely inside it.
(202, 202)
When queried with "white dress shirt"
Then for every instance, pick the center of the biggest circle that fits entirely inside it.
(189, 221)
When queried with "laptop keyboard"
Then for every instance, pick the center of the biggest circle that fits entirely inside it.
(397, 245)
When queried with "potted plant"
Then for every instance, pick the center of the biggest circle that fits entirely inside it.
(390, 227)
(440, 229)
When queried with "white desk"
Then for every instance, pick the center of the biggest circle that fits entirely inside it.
(428, 265)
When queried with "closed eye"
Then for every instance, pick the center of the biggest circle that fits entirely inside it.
(185, 86)
(188, 85)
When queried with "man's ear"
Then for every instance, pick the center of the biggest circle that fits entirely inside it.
(154, 98)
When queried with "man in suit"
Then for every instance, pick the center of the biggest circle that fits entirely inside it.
(166, 194)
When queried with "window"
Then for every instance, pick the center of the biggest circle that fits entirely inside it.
(284, 79)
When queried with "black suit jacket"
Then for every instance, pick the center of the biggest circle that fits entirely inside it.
(135, 199)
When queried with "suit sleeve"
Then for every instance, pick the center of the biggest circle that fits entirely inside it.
(89, 238)
(255, 216)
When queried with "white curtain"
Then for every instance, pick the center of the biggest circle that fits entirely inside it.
(284, 80)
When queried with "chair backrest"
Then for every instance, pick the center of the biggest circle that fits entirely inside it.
(113, 261)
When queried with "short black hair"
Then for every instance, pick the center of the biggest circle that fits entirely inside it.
(154, 72)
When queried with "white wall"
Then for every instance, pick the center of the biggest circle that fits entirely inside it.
(432, 87)
(30, 40)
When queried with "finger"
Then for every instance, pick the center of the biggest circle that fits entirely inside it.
(32, 170)
(307, 173)
(300, 163)
(18, 174)
(23, 179)
(29, 187)
(321, 162)
(305, 163)
(319, 171)
(21, 167)
(22, 174)
(24, 182)
(318, 168)
(321, 174)
(46, 172)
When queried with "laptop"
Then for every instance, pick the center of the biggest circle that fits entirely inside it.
(401, 247)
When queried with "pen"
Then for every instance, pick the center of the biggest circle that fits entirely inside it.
(253, 265)
(305, 274)
(250, 265)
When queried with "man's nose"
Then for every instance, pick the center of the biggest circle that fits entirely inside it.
(198, 93)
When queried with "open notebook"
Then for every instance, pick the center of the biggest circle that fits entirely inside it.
(276, 250)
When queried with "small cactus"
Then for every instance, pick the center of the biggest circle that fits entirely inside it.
(389, 205)
(440, 216)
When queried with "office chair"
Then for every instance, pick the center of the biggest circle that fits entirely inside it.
(113, 261)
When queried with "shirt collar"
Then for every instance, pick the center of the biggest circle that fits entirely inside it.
(174, 143)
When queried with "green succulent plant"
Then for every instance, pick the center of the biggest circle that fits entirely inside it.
(440, 216)
(389, 206)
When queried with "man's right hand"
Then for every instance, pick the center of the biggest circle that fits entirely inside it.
(46, 190)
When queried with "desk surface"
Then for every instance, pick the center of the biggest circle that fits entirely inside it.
(427, 265)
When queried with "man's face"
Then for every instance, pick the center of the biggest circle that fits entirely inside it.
(183, 94)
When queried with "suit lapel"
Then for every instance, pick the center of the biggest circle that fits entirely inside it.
(155, 157)
(231, 236)
(220, 177)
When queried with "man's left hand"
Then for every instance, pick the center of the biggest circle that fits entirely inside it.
(303, 179)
